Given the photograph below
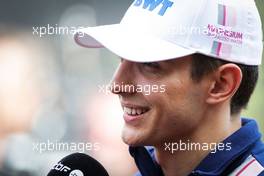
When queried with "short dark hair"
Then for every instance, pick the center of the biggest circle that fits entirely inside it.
(202, 65)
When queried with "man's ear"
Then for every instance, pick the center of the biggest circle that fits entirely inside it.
(226, 81)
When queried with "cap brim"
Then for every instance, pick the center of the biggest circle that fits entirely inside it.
(129, 44)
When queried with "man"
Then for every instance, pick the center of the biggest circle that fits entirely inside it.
(200, 60)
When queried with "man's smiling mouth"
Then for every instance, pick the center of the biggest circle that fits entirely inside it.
(133, 112)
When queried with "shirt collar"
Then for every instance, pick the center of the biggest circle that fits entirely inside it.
(241, 141)
(214, 163)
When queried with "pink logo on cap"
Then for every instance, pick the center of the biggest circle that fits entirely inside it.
(223, 34)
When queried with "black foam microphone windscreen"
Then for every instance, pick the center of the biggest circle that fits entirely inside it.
(78, 164)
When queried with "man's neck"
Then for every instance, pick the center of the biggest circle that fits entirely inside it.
(212, 130)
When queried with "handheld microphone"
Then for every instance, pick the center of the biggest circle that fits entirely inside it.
(78, 164)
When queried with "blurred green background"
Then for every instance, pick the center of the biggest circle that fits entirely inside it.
(255, 108)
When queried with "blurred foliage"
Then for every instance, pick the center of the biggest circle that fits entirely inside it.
(255, 108)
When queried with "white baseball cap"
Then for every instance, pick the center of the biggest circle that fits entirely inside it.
(157, 30)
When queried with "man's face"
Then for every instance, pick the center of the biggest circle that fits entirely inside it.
(170, 114)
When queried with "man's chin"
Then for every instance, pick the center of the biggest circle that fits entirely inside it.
(132, 137)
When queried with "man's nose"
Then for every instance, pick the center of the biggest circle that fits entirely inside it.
(122, 81)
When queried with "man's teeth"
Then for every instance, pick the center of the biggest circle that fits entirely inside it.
(134, 111)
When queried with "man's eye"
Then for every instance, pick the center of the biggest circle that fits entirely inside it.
(154, 65)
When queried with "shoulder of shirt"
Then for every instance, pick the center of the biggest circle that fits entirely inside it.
(258, 152)
(253, 165)
(261, 174)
